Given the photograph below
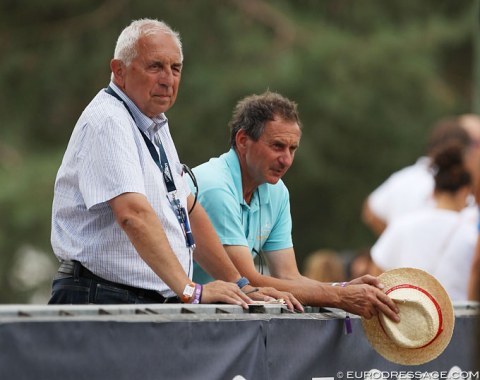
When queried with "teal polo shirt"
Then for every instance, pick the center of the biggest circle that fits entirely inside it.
(264, 224)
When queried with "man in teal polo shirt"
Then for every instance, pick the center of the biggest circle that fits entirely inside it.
(249, 207)
(263, 224)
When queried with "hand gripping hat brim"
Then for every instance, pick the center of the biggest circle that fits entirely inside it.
(426, 318)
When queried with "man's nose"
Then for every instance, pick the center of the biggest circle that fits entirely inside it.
(286, 159)
(166, 77)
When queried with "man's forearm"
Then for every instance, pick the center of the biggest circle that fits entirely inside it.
(209, 253)
(308, 292)
(145, 231)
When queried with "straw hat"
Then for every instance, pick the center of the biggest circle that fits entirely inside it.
(426, 318)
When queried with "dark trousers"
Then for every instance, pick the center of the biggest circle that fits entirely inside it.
(74, 284)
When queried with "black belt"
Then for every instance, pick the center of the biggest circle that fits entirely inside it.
(75, 268)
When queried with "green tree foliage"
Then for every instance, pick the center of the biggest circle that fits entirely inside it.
(370, 78)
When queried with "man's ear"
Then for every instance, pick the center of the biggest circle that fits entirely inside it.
(118, 70)
(241, 140)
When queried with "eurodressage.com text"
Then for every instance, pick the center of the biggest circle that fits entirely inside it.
(410, 375)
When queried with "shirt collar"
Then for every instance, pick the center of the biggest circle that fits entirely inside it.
(263, 193)
(147, 125)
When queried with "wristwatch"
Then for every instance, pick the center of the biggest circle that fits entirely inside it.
(243, 282)
(188, 292)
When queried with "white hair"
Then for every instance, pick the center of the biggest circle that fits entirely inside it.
(126, 47)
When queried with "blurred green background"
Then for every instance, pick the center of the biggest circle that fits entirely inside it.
(371, 78)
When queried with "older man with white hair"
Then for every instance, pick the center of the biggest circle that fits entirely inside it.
(120, 225)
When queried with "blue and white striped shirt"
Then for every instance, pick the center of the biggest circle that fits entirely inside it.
(107, 156)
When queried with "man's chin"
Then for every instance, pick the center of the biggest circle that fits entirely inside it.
(273, 180)
(161, 108)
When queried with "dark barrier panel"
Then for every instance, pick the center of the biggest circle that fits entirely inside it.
(175, 344)
(126, 350)
(306, 349)
(130, 351)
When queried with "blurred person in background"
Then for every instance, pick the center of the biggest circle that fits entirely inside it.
(359, 264)
(441, 239)
(120, 226)
(249, 206)
(411, 188)
(474, 274)
(471, 123)
(325, 265)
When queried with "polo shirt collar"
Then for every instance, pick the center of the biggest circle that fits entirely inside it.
(233, 163)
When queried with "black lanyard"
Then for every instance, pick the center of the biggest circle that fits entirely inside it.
(162, 161)
(164, 166)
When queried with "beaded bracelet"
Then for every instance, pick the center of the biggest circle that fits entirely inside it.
(348, 322)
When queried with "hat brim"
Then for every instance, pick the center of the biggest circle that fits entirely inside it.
(412, 356)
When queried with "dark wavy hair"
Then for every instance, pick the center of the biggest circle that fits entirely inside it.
(449, 170)
(251, 114)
